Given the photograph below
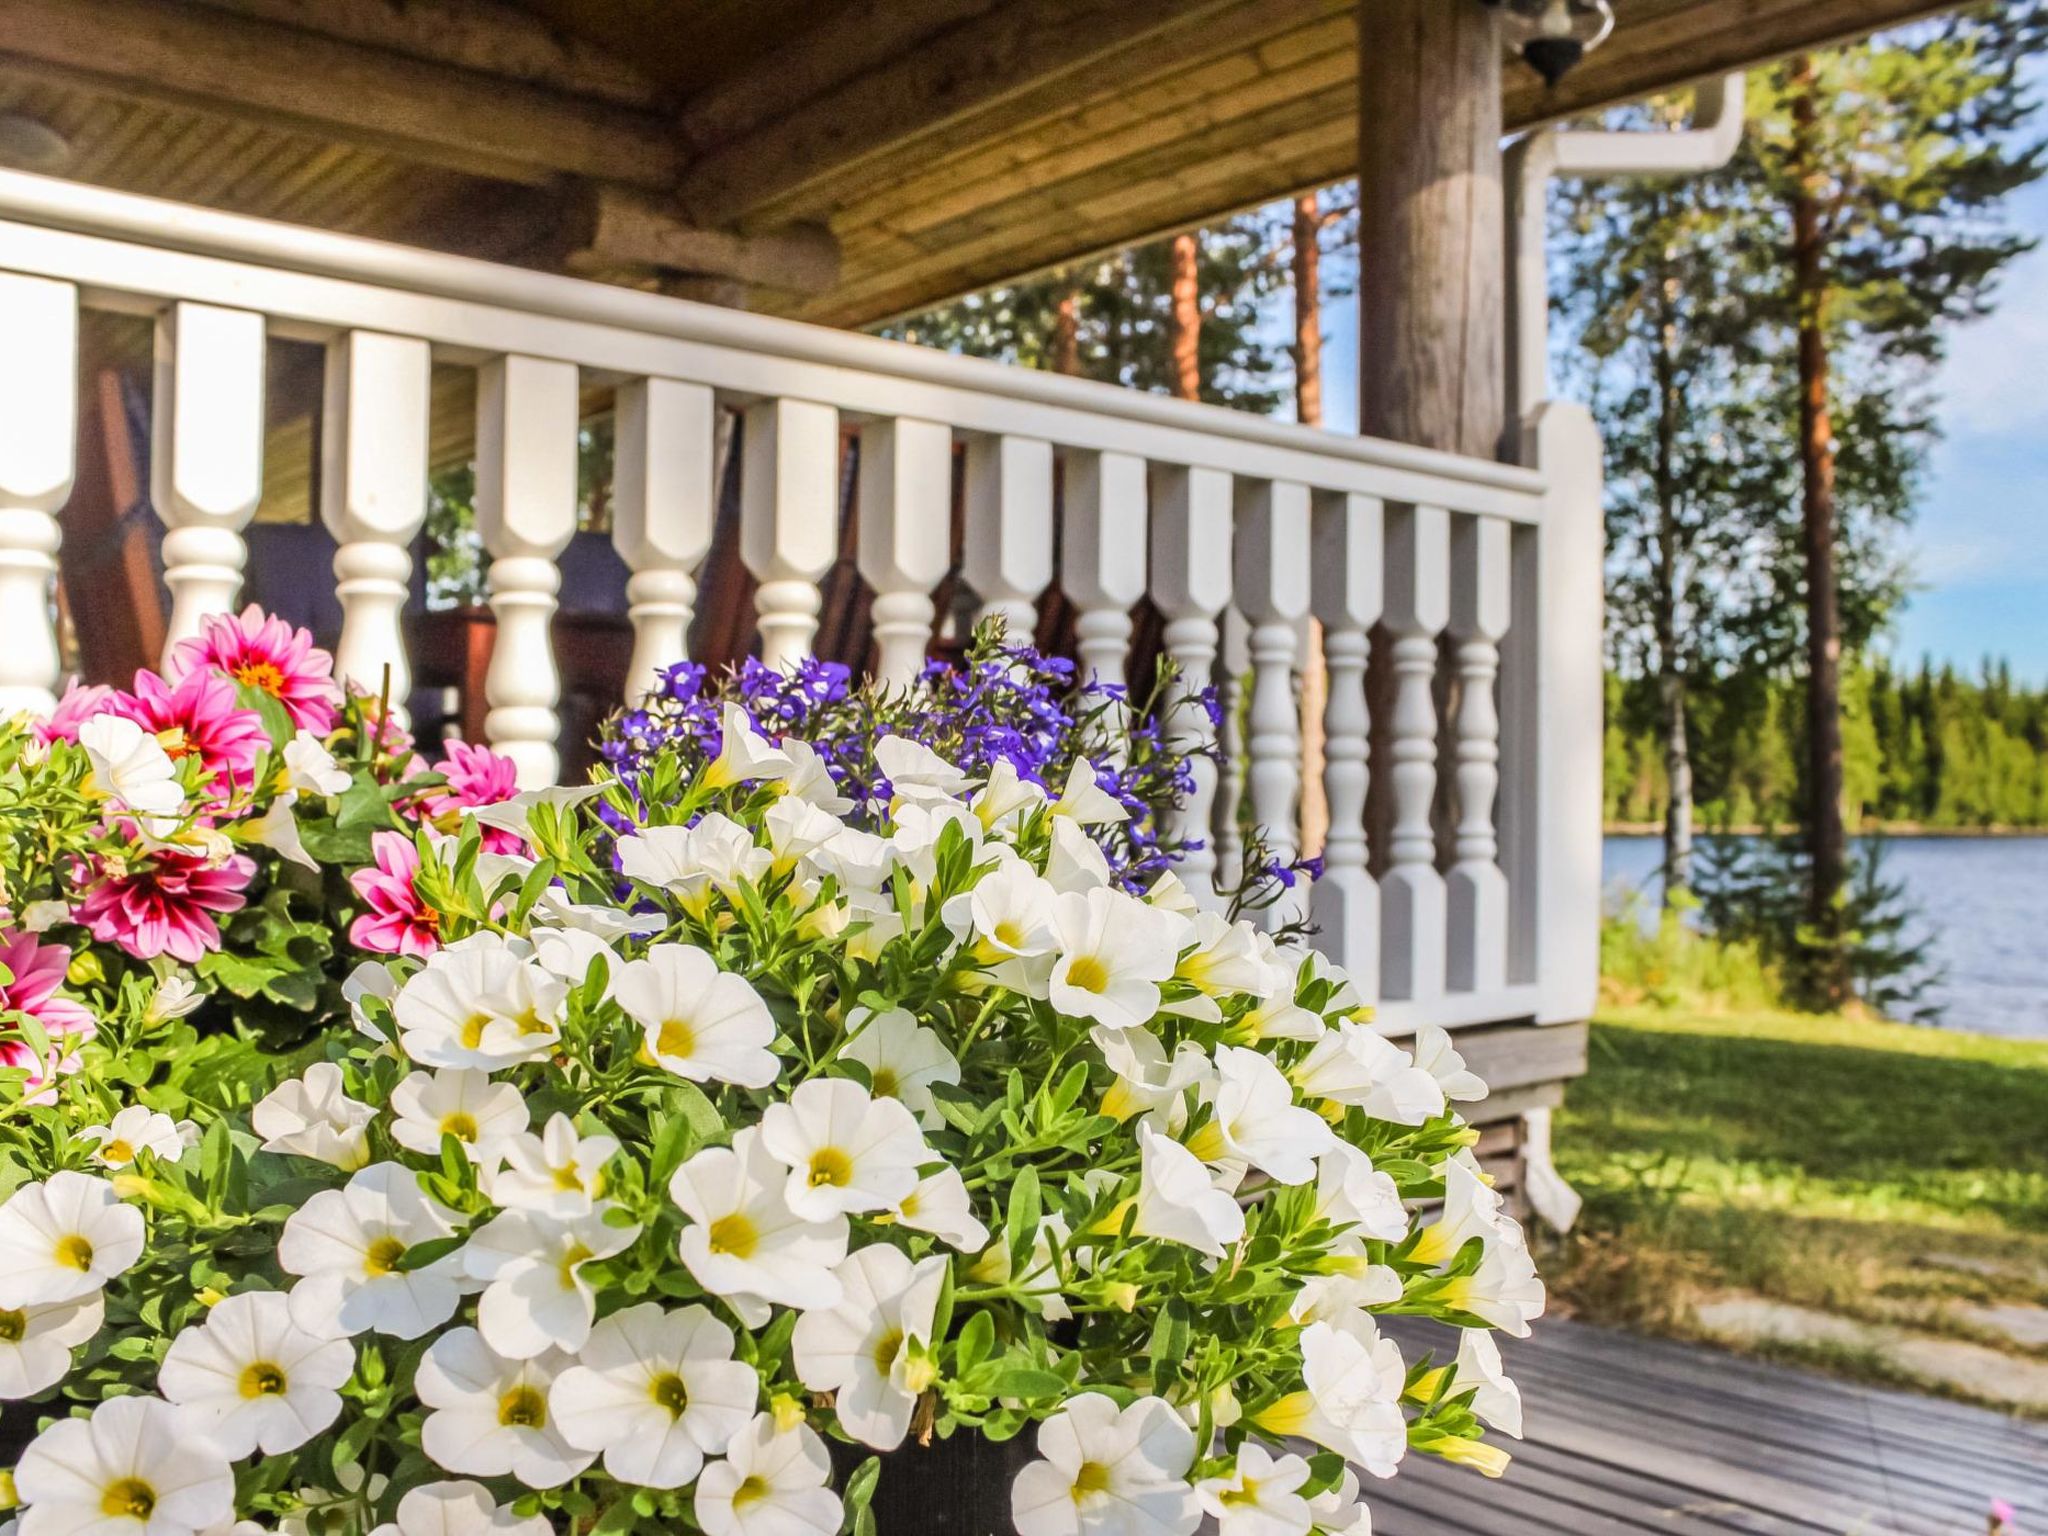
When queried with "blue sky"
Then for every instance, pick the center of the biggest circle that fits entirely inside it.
(1979, 548)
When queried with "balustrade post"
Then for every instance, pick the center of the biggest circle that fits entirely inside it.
(789, 520)
(206, 455)
(1272, 553)
(1103, 557)
(1191, 517)
(664, 494)
(1346, 591)
(906, 517)
(38, 436)
(1231, 699)
(1412, 918)
(373, 499)
(526, 510)
(1008, 555)
(1476, 888)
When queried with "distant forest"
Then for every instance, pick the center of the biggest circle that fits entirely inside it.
(1928, 748)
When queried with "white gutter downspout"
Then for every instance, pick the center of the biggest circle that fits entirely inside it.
(1530, 164)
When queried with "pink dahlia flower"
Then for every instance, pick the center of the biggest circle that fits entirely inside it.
(38, 970)
(476, 776)
(166, 906)
(269, 655)
(397, 922)
(79, 704)
(199, 715)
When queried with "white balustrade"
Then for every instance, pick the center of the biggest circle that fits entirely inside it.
(1191, 517)
(1272, 594)
(526, 511)
(1346, 591)
(1412, 916)
(1476, 887)
(789, 520)
(1233, 698)
(206, 455)
(373, 499)
(664, 494)
(1008, 559)
(1102, 557)
(38, 407)
(906, 520)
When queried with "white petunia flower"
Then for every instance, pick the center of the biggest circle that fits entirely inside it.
(1472, 1208)
(1338, 1512)
(716, 853)
(1170, 893)
(1259, 1496)
(278, 830)
(1076, 863)
(846, 1151)
(1177, 1203)
(310, 768)
(810, 780)
(1350, 1400)
(941, 1206)
(481, 1004)
(916, 773)
(1278, 1016)
(313, 1116)
(64, 1238)
(744, 1243)
(36, 1342)
(1108, 1472)
(1225, 961)
(347, 1245)
(1039, 1285)
(558, 1173)
(1085, 800)
(1353, 1194)
(370, 978)
(744, 754)
(1113, 951)
(1435, 1055)
(568, 953)
(1006, 916)
(1256, 1121)
(903, 1060)
(1505, 1292)
(699, 1022)
(1147, 1083)
(137, 1129)
(872, 1348)
(553, 909)
(656, 1392)
(773, 1482)
(132, 1469)
(490, 1415)
(250, 1379)
(461, 1102)
(516, 815)
(535, 1297)
(1479, 1370)
(458, 1509)
(1354, 1064)
(132, 769)
(1005, 797)
(1333, 1298)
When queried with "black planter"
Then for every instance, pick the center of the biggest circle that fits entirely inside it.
(956, 1487)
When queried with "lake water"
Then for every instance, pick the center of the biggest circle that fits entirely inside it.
(1984, 902)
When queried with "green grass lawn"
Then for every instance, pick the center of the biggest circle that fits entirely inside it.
(1878, 1171)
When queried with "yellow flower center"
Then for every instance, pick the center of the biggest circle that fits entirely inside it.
(1236, 1498)
(473, 1029)
(262, 675)
(752, 1491)
(13, 1326)
(1092, 1478)
(1009, 933)
(886, 1082)
(262, 1378)
(734, 1236)
(117, 1150)
(128, 1498)
(886, 1348)
(831, 1166)
(568, 1177)
(669, 1392)
(461, 1125)
(73, 1251)
(524, 1407)
(1088, 974)
(910, 1206)
(531, 1023)
(676, 1040)
(382, 1256)
(1208, 1143)
(575, 1254)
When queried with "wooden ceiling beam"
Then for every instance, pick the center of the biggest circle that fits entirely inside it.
(253, 68)
(605, 227)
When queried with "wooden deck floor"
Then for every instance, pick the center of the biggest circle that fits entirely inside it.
(1628, 1435)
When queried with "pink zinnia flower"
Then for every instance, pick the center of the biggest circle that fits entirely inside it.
(199, 715)
(166, 906)
(397, 922)
(269, 655)
(476, 776)
(38, 971)
(79, 704)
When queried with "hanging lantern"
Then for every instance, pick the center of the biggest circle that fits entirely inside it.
(1553, 35)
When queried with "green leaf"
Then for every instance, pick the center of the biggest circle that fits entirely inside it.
(1021, 1381)
(688, 1100)
(1020, 1223)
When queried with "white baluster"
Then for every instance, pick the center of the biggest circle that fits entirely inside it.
(1272, 593)
(1411, 889)
(664, 494)
(1008, 556)
(373, 499)
(1191, 512)
(789, 520)
(1346, 591)
(906, 517)
(1476, 888)
(38, 433)
(526, 510)
(206, 455)
(1103, 556)
(1232, 696)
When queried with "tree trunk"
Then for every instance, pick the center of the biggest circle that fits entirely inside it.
(1184, 324)
(1668, 584)
(1827, 837)
(1066, 330)
(1308, 409)
(1678, 784)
